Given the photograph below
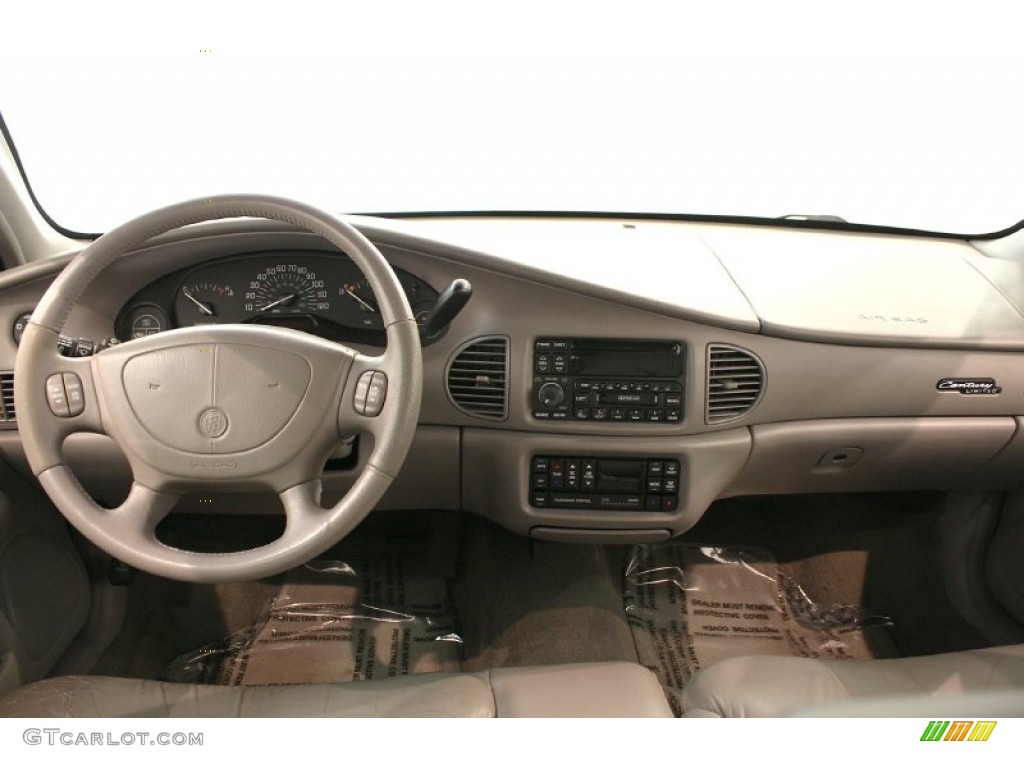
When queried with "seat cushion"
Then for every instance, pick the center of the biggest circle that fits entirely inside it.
(771, 686)
(573, 690)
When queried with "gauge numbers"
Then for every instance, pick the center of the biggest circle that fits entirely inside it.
(286, 289)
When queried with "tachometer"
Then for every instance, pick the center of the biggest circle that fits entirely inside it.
(286, 289)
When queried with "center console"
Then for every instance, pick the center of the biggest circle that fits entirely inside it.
(610, 380)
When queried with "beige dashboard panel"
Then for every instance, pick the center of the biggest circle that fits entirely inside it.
(867, 288)
(868, 454)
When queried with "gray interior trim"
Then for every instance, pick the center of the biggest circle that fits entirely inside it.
(965, 530)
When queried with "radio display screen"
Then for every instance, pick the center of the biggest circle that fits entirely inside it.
(640, 359)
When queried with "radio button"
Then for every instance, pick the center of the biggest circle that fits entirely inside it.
(550, 394)
(669, 400)
(560, 345)
(600, 414)
(636, 414)
(539, 499)
(582, 414)
(672, 415)
(540, 482)
(541, 346)
(540, 464)
(618, 414)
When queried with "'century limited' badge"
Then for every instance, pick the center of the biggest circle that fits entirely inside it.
(969, 386)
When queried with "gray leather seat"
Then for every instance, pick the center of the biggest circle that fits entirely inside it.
(772, 686)
(572, 690)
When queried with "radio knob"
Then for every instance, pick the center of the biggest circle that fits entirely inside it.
(551, 394)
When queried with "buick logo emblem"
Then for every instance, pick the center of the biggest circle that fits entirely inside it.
(213, 422)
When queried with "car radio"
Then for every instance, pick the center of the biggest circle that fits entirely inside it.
(608, 380)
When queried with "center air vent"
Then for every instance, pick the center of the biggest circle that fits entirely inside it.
(477, 378)
(735, 383)
(7, 418)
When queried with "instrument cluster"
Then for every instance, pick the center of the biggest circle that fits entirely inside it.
(321, 293)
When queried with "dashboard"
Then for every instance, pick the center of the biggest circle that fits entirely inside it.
(596, 354)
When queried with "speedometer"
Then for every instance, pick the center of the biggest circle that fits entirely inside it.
(286, 289)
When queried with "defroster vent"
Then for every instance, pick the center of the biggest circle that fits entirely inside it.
(7, 416)
(735, 383)
(477, 378)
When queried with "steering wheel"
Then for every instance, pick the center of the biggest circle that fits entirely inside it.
(231, 407)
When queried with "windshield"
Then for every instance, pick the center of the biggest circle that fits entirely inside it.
(875, 142)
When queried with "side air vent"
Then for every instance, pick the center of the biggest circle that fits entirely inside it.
(735, 383)
(477, 378)
(7, 416)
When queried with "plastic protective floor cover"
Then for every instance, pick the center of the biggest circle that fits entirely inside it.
(336, 621)
(690, 605)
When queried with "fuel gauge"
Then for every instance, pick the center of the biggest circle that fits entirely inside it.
(362, 310)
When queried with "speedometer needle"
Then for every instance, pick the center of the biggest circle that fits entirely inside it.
(203, 308)
(276, 302)
(362, 303)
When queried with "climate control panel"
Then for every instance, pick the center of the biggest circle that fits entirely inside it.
(595, 482)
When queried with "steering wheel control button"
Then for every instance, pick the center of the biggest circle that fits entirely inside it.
(359, 399)
(56, 396)
(213, 423)
(75, 394)
(371, 391)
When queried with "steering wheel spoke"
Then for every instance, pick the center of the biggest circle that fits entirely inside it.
(383, 393)
(55, 391)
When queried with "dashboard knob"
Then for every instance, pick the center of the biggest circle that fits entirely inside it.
(551, 394)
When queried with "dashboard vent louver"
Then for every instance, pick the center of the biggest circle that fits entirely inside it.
(7, 415)
(735, 383)
(477, 378)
